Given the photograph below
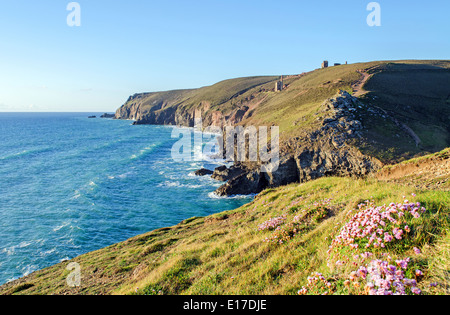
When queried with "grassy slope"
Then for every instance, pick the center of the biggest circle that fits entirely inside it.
(226, 254)
(429, 172)
(415, 93)
(218, 94)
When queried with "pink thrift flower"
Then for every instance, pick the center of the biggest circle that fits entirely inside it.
(416, 291)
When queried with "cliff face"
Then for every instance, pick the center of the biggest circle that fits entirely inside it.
(322, 133)
(156, 109)
(327, 151)
(226, 103)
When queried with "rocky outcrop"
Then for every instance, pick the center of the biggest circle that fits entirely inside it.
(328, 150)
(323, 152)
(250, 182)
(106, 115)
(159, 108)
(168, 116)
(203, 172)
(177, 108)
(224, 173)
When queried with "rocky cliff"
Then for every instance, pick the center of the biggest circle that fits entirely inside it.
(327, 151)
(226, 103)
(402, 114)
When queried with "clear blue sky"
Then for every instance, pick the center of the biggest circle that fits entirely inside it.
(124, 47)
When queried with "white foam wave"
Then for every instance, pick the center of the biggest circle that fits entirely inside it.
(169, 184)
(145, 151)
(12, 249)
(58, 228)
(48, 252)
(77, 195)
(213, 195)
(24, 153)
(124, 175)
(29, 269)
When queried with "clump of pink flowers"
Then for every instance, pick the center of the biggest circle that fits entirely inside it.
(294, 220)
(384, 278)
(272, 224)
(374, 227)
(361, 242)
(280, 235)
(316, 282)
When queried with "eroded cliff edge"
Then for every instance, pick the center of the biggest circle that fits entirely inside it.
(401, 111)
(325, 151)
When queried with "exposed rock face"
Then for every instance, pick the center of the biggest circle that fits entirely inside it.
(327, 152)
(322, 161)
(169, 116)
(287, 173)
(106, 115)
(203, 172)
(167, 108)
(252, 182)
(155, 109)
(324, 152)
(224, 174)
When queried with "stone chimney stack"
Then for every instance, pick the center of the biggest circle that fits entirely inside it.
(279, 85)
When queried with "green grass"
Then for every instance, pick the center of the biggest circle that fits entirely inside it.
(414, 92)
(444, 154)
(226, 254)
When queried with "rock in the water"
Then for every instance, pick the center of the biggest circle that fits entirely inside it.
(203, 172)
(245, 184)
(106, 115)
(224, 174)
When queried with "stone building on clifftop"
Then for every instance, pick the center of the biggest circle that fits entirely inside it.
(279, 85)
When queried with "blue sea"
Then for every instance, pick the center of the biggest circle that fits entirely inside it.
(70, 185)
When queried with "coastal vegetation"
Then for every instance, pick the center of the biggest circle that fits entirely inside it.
(406, 110)
(327, 236)
(361, 204)
(346, 120)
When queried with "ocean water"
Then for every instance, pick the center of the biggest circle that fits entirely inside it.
(70, 185)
